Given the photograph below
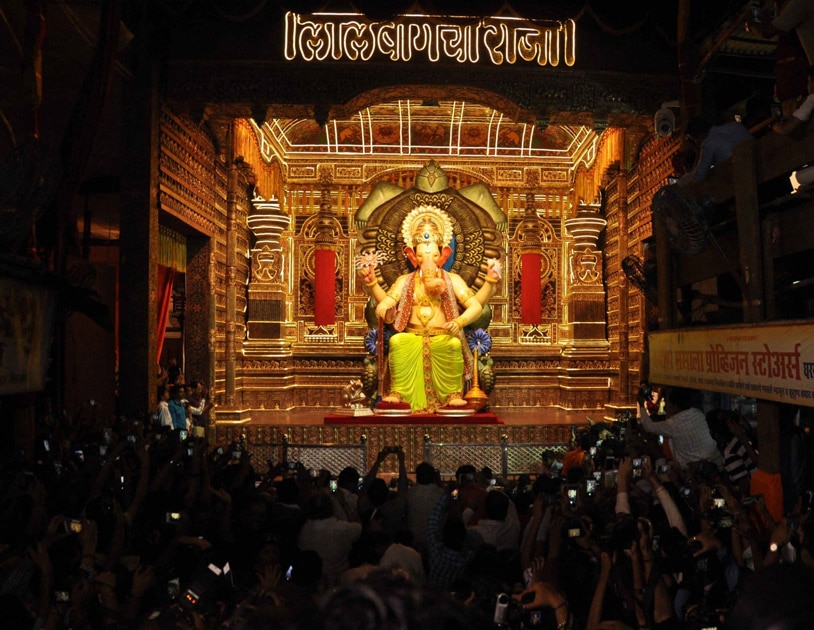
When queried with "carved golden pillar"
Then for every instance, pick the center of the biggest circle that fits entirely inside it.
(212, 318)
(586, 325)
(267, 291)
(325, 257)
(231, 269)
(624, 315)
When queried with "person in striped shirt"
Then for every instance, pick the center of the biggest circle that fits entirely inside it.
(740, 456)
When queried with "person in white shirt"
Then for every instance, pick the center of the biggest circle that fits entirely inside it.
(497, 529)
(391, 555)
(421, 498)
(686, 428)
(347, 492)
(163, 412)
(330, 537)
(404, 558)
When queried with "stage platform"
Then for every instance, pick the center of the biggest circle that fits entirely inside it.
(508, 415)
(264, 431)
(422, 419)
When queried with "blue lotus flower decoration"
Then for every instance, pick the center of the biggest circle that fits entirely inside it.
(479, 340)
(372, 338)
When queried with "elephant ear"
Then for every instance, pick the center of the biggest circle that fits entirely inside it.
(446, 252)
(409, 252)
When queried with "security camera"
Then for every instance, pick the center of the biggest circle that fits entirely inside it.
(665, 122)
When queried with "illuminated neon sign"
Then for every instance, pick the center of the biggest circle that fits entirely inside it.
(352, 37)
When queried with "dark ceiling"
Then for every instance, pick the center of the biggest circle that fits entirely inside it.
(621, 40)
(620, 37)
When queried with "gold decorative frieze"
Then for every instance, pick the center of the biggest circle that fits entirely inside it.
(541, 335)
(267, 365)
(327, 364)
(356, 331)
(351, 173)
(320, 334)
(588, 364)
(371, 171)
(514, 175)
(526, 365)
(303, 172)
(501, 334)
(197, 143)
(532, 177)
(181, 209)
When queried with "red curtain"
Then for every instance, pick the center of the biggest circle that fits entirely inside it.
(164, 282)
(531, 291)
(324, 283)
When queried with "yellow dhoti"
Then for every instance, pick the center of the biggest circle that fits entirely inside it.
(425, 368)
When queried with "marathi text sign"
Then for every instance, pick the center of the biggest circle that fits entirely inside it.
(767, 361)
(352, 37)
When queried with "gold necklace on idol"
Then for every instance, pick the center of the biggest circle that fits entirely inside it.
(425, 303)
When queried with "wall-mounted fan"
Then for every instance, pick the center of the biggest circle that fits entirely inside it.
(638, 275)
(682, 218)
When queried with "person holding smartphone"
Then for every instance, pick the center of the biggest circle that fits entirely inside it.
(686, 428)
(421, 498)
(346, 497)
(377, 499)
(448, 548)
(579, 454)
(330, 537)
(663, 496)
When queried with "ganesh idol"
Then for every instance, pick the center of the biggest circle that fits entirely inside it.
(429, 360)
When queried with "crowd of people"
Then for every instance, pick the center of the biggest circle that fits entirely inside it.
(640, 525)
(181, 405)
